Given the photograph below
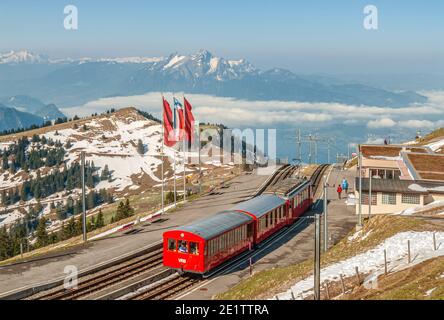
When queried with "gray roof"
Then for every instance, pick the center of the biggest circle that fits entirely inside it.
(214, 225)
(401, 186)
(260, 205)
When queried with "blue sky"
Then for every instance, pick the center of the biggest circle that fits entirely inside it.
(305, 36)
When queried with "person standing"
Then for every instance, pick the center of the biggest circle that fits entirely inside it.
(345, 185)
(339, 190)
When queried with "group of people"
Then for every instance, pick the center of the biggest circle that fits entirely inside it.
(343, 186)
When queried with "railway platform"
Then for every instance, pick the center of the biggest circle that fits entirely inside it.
(14, 278)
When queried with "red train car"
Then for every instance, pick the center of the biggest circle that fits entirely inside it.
(270, 213)
(300, 200)
(206, 243)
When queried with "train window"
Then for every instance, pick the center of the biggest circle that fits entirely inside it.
(194, 248)
(183, 246)
(172, 244)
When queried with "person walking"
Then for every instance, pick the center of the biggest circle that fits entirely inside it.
(339, 190)
(344, 185)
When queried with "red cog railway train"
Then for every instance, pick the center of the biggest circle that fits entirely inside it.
(206, 243)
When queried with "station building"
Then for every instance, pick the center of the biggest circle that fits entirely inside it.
(402, 177)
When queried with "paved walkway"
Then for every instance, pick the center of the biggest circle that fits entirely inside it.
(295, 247)
(99, 251)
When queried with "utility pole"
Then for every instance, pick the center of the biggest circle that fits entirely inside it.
(325, 215)
(309, 149)
(317, 260)
(360, 187)
(316, 150)
(83, 196)
(370, 195)
(328, 151)
(299, 145)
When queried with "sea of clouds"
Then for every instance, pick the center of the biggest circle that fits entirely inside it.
(243, 113)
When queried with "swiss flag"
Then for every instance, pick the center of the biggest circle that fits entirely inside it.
(169, 138)
(189, 121)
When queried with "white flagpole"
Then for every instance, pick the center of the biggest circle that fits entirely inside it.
(183, 140)
(200, 166)
(161, 156)
(174, 150)
(175, 178)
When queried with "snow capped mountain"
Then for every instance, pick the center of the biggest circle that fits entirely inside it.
(200, 64)
(23, 56)
(205, 64)
(77, 81)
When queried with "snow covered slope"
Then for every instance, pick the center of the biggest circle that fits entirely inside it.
(371, 262)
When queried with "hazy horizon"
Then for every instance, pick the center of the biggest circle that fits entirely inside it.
(315, 37)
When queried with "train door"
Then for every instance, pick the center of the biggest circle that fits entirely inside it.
(250, 231)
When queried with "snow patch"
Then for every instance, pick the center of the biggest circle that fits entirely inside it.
(372, 261)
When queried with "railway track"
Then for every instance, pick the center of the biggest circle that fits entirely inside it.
(317, 176)
(167, 289)
(104, 279)
(281, 174)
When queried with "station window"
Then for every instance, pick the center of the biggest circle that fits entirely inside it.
(172, 244)
(194, 248)
(388, 198)
(410, 198)
(365, 199)
(183, 246)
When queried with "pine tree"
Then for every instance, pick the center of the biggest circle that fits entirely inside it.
(140, 147)
(5, 165)
(105, 173)
(91, 200)
(120, 214)
(4, 197)
(5, 244)
(41, 234)
(100, 222)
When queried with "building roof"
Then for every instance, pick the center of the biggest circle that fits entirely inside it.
(260, 205)
(425, 166)
(401, 186)
(390, 151)
(212, 226)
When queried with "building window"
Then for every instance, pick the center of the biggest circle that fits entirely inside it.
(388, 198)
(411, 198)
(365, 199)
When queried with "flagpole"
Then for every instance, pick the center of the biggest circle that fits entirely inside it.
(174, 150)
(183, 144)
(175, 177)
(163, 138)
(200, 166)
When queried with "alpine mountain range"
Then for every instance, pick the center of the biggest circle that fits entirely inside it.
(68, 82)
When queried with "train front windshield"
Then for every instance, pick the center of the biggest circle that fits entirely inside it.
(183, 246)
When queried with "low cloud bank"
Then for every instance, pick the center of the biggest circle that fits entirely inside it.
(235, 112)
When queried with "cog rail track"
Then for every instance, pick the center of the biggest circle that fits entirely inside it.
(98, 282)
(167, 289)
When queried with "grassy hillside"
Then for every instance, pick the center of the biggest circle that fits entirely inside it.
(266, 283)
